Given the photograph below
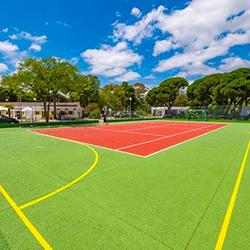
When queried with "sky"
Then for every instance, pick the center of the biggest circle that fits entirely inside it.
(128, 40)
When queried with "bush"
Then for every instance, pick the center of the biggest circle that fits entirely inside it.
(93, 111)
(96, 114)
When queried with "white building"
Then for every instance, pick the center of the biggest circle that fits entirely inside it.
(34, 111)
(161, 111)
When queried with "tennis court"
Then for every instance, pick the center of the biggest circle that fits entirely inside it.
(141, 185)
(143, 139)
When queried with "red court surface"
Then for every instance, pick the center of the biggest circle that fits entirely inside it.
(142, 138)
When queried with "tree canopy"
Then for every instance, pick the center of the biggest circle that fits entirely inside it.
(166, 93)
(50, 80)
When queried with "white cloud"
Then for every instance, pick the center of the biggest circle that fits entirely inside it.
(74, 60)
(37, 41)
(232, 63)
(13, 37)
(128, 76)
(118, 14)
(15, 57)
(136, 12)
(202, 30)
(200, 39)
(27, 36)
(5, 30)
(111, 61)
(3, 67)
(6, 47)
(35, 47)
(141, 29)
(11, 53)
(162, 46)
(202, 21)
(193, 57)
(63, 23)
(149, 77)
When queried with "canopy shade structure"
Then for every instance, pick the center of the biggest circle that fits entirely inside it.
(28, 112)
(3, 108)
(27, 109)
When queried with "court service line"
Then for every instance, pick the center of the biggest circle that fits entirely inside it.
(164, 137)
(228, 215)
(61, 189)
(125, 131)
(25, 220)
(163, 125)
(82, 143)
(191, 139)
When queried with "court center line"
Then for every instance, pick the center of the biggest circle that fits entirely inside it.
(228, 215)
(25, 220)
(163, 125)
(191, 139)
(164, 137)
(82, 143)
(61, 189)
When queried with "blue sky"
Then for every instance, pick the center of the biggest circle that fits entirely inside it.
(133, 40)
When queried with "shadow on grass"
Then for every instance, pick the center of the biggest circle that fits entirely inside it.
(3, 242)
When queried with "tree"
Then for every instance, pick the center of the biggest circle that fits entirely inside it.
(93, 110)
(140, 90)
(128, 96)
(45, 78)
(9, 106)
(200, 92)
(166, 93)
(62, 76)
(12, 88)
(181, 101)
(111, 97)
(233, 90)
(85, 90)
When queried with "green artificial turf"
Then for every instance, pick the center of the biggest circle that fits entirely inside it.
(175, 199)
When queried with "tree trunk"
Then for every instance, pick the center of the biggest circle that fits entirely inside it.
(54, 102)
(240, 108)
(228, 108)
(9, 112)
(46, 111)
(168, 111)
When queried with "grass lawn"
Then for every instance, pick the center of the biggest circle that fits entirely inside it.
(175, 199)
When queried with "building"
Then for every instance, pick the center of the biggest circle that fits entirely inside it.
(34, 111)
(161, 111)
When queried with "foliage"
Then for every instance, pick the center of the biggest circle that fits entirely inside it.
(85, 90)
(52, 79)
(9, 106)
(229, 89)
(93, 111)
(166, 93)
(200, 93)
(181, 101)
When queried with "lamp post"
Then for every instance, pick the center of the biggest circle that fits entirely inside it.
(34, 117)
(6, 100)
(130, 99)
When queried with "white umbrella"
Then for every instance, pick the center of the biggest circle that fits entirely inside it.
(28, 112)
(3, 108)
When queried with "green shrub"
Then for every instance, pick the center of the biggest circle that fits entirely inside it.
(93, 111)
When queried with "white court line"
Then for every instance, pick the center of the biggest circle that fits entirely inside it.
(164, 137)
(121, 131)
(130, 153)
(158, 126)
(177, 144)
(79, 142)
